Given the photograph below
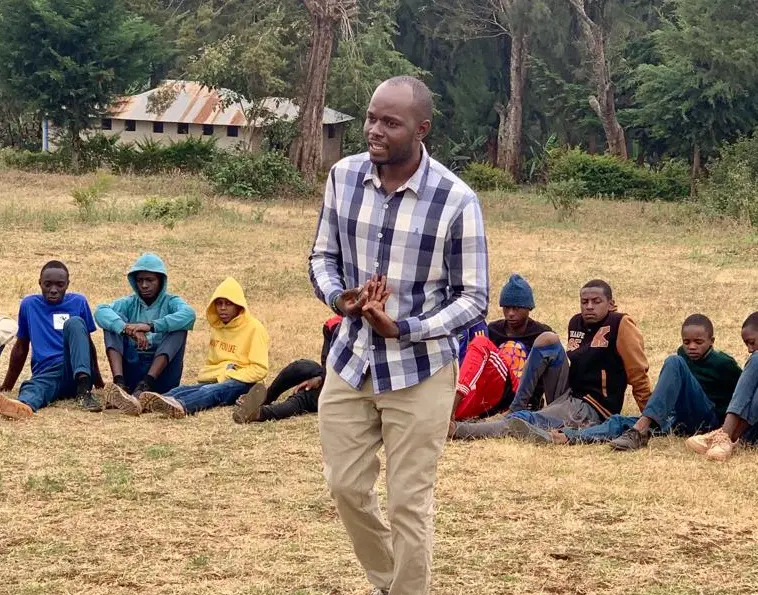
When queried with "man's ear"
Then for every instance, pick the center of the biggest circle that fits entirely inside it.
(613, 307)
(422, 130)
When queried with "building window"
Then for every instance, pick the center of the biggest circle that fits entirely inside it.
(106, 124)
(158, 127)
(233, 131)
(182, 128)
(331, 131)
(130, 125)
(207, 129)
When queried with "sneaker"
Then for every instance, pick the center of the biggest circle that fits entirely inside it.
(518, 428)
(146, 400)
(89, 402)
(701, 443)
(248, 407)
(122, 400)
(722, 447)
(168, 406)
(13, 409)
(632, 439)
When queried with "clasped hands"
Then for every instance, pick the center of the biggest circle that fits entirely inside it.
(368, 301)
(138, 331)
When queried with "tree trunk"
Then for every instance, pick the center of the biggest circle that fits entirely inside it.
(76, 147)
(696, 170)
(512, 116)
(604, 103)
(306, 151)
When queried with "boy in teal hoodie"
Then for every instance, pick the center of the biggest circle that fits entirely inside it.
(145, 335)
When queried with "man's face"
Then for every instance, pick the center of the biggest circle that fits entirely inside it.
(53, 283)
(392, 127)
(226, 310)
(750, 338)
(594, 303)
(515, 317)
(696, 341)
(148, 285)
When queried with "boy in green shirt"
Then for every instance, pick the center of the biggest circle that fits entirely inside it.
(691, 396)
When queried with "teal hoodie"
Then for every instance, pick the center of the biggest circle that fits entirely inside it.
(168, 313)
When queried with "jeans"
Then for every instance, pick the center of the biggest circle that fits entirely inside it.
(299, 403)
(678, 402)
(59, 380)
(744, 403)
(196, 397)
(609, 430)
(137, 363)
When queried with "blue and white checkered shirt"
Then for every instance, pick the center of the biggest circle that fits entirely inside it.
(428, 239)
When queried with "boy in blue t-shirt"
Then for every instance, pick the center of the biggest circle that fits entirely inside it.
(57, 325)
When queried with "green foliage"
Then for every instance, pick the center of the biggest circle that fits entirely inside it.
(87, 198)
(169, 211)
(68, 59)
(608, 176)
(249, 175)
(565, 196)
(483, 177)
(731, 187)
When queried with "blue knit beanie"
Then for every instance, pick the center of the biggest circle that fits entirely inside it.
(517, 292)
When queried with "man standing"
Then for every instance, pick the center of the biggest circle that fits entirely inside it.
(394, 218)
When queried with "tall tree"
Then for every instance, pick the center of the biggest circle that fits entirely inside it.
(516, 20)
(595, 35)
(324, 16)
(702, 90)
(69, 59)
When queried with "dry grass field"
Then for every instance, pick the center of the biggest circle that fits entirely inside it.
(106, 504)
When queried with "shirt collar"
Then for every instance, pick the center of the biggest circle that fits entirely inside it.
(415, 183)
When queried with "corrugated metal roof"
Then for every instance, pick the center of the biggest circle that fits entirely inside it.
(196, 104)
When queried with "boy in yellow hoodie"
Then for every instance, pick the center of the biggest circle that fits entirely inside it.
(236, 363)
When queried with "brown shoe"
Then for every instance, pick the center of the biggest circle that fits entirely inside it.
(701, 443)
(248, 406)
(147, 399)
(722, 447)
(14, 409)
(122, 400)
(168, 406)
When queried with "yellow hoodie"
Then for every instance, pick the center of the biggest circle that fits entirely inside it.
(238, 350)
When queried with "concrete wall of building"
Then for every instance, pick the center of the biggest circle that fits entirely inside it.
(332, 147)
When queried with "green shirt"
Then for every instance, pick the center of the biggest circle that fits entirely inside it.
(717, 373)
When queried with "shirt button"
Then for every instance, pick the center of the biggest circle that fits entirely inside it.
(373, 347)
(386, 207)
(379, 236)
(376, 265)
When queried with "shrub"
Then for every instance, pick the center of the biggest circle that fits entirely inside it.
(731, 187)
(170, 210)
(250, 175)
(565, 196)
(483, 177)
(87, 197)
(609, 176)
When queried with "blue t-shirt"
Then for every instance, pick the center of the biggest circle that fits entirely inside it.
(42, 324)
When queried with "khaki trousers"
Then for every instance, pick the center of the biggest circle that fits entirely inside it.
(412, 425)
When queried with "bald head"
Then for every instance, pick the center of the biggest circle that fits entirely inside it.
(423, 104)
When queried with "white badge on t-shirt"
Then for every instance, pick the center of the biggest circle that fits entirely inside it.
(59, 320)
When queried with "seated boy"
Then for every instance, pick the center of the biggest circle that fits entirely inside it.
(691, 396)
(57, 326)
(145, 335)
(236, 363)
(605, 351)
(741, 422)
(305, 375)
(492, 367)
